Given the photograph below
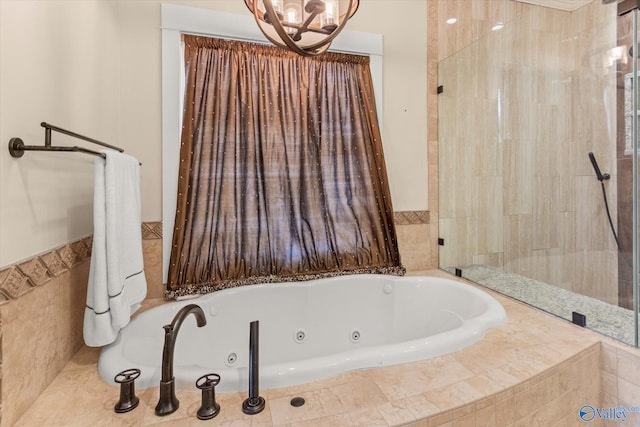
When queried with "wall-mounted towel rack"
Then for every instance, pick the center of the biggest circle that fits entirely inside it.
(17, 146)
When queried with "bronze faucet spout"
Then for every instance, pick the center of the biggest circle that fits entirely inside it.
(168, 402)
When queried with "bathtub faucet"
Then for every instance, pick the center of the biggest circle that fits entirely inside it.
(168, 402)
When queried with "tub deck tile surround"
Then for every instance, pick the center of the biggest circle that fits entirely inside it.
(534, 370)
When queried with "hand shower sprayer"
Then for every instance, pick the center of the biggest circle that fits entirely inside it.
(594, 163)
(603, 177)
(254, 404)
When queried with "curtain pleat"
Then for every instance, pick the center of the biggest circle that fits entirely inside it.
(282, 175)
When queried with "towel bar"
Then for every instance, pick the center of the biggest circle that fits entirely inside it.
(17, 147)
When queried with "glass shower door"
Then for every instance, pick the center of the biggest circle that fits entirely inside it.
(537, 182)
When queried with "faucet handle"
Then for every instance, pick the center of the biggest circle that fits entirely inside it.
(209, 408)
(128, 399)
(208, 380)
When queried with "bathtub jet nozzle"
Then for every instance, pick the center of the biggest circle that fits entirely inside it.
(168, 402)
(254, 404)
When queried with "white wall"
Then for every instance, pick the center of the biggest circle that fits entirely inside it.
(403, 24)
(59, 63)
(93, 66)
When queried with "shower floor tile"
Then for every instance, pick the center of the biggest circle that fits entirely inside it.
(607, 319)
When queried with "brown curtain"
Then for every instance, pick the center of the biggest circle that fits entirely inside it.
(282, 175)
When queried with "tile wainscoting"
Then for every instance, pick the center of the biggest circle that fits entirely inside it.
(41, 314)
(17, 280)
(416, 240)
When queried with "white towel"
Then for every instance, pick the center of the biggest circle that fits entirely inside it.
(117, 283)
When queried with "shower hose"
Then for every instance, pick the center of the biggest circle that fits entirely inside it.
(602, 177)
(606, 206)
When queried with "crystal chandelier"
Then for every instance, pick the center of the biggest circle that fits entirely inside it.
(306, 27)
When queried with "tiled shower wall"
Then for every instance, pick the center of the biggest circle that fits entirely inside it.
(521, 109)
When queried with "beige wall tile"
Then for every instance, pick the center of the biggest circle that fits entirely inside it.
(397, 412)
(466, 421)
(486, 417)
(629, 368)
(421, 423)
(414, 244)
(545, 218)
(441, 419)
(52, 331)
(48, 348)
(152, 253)
(609, 359)
(504, 412)
(488, 214)
(558, 407)
(519, 177)
(459, 239)
(628, 391)
(535, 67)
(610, 400)
(597, 273)
(434, 233)
(528, 401)
(477, 15)
(463, 411)
(555, 387)
(518, 231)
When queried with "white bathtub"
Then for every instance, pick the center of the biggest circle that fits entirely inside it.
(308, 330)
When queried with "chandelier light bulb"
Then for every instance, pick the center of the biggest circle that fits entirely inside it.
(306, 27)
(292, 19)
(278, 6)
(330, 19)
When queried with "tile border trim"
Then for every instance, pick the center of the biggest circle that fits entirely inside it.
(411, 217)
(18, 279)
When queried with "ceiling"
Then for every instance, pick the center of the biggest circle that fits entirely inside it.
(568, 5)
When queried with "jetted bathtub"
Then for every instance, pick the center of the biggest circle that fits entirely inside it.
(308, 330)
